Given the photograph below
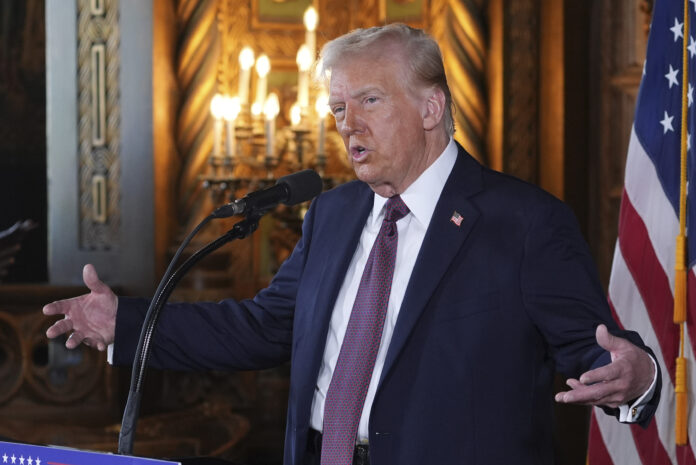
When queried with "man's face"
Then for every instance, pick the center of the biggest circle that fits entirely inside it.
(380, 120)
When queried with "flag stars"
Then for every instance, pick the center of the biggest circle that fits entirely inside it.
(672, 76)
(690, 94)
(13, 458)
(694, 2)
(37, 461)
(677, 29)
(4, 458)
(688, 141)
(692, 46)
(667, 123)
(30, 461)
(21, 460)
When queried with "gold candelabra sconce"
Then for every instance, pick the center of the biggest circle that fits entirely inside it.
(249, 150)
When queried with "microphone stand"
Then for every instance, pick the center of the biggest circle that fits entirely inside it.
(240, 230)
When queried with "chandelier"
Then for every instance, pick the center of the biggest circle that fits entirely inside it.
(248, 147)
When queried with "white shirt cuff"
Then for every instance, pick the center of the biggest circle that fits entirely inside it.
(110, 354)
(630, 413)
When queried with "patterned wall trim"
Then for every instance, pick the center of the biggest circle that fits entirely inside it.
(196, 70)
(464, 51)
(98, 123)
(521, 89)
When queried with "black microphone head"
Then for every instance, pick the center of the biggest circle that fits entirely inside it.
(301, 186)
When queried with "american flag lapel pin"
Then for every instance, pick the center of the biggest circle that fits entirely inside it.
(456, 218)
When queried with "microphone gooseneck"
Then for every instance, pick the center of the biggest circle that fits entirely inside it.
(290, 190)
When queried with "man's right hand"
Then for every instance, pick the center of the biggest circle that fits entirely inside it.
(89, 318)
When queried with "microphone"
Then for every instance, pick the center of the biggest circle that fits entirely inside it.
(290, 190)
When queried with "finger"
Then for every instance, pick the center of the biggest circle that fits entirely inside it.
(608, 341)
(574, 383)
(89, 342)
(91, 279)
(59, 327)
(74, 340)
(602, 374)
(597, 394)
(60, 307)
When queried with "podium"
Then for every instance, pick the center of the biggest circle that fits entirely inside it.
(14, 453)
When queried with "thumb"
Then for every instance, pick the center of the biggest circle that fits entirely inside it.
(91, 279)
(606, 340)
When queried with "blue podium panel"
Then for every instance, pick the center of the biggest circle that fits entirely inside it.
(12, 453)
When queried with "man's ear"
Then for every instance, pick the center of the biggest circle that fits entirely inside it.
(433, 107)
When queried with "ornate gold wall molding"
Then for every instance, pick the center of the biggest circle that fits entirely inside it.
(99, 116)
(459, 26)
(196, 70)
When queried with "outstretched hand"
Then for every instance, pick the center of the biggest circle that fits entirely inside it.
(627, 377)
(89, 318)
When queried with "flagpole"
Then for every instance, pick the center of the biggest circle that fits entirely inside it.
(680, 424)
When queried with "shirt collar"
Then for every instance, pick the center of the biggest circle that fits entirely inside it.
(422, 195)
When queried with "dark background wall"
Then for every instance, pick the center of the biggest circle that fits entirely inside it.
(23, 131)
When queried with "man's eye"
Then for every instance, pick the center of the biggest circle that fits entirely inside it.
(336, 110)
(371, 100)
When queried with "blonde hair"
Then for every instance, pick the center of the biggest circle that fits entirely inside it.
(421, 53)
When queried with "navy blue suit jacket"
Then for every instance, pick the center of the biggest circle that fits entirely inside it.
(494, 306)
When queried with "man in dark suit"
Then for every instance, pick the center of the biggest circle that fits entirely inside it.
(426, 306)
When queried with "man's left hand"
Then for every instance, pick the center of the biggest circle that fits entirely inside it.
(627, 377)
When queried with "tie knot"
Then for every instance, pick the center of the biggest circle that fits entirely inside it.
(396, 209)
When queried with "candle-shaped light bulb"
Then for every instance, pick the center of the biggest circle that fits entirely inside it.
(231, 110)
(322, 107)
(304, 58)
(304, 63)
(272, 106)
(217, 105)
(256, 109)
(295, 114)
(263, 66)
(270, 110)
(246, 61)
(311, 18)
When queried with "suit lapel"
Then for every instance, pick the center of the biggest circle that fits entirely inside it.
(338, 244)
(442, 241)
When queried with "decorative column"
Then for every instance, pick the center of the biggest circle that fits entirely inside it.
(196, 69)
(459, 28)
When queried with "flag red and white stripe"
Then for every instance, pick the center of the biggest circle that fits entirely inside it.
(642, 279)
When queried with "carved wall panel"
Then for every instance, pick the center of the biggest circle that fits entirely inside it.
(41, 381)
(464, 47)
(620, 47)
(99, 120)
(521, 95)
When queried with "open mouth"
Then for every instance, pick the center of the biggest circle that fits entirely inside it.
(358, 152)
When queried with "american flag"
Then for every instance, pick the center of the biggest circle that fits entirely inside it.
(642, 278)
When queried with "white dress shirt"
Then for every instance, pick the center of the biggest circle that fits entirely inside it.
(421, 198)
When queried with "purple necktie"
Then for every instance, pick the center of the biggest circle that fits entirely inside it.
(356, 361)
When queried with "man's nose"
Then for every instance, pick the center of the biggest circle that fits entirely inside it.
(352, 122)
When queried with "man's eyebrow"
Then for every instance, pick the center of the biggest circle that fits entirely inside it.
(366, 90)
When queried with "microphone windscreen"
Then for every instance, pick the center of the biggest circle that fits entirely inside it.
(302, 186)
